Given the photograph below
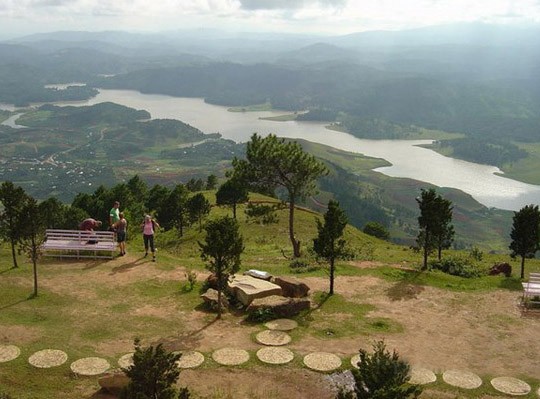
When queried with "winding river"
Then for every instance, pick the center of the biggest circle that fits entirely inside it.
(407, 159)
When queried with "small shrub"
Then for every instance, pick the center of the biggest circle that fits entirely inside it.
(302, 266)
(152, 375)
(476, 254)
(381, 375)
(376, 229)
(191, 277)
(457, 266)
(261, 315)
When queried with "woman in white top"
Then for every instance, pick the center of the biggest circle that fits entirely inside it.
(149, 227)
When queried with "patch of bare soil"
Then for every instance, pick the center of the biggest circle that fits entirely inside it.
(481, 332)
(19, 334)
(257, 383)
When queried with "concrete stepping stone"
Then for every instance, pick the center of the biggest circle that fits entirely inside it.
(190, 360)
(322, 361)
(274, 355)
(47, 358)
(230, 356)
(90, 366)
(273, 338)
(281, 324)
(355, 360)
(462, 379)
(511, 386)
(8, 353)
(422, 376)
(126, 360)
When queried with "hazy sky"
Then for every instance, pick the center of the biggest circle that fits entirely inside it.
(18, 17)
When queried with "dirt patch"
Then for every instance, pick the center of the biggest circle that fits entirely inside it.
(21, 335)
(257, 383)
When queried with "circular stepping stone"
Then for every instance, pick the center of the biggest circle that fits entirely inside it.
(355, 360)
(9, 352)
(275, 355)
(511, 386)
(48, 358)
(190, 359)
(281, 324)
(322, 361)
(421, 376)
(230, 356)
(126, 360)
(90, 366)
(462, 379)
(273, 338)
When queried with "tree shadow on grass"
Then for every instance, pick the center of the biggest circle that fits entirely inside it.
(10, 305)
(128, 266)
(404, 291)
(187, 340)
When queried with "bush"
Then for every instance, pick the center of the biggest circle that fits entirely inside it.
(261, 315)
(153, 374)
(381, 375)
(376, 229)
(302, 266)
(457, 266)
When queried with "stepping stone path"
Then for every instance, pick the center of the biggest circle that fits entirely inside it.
(9, 352)
(47, 358)
(230, 356)
(126, 360)
(462, 379)
(190, 359)
(322, 361)
(282, 324)
(273, 338)
(511, 386)
(422, 376)
(274, 355)
(90, 366)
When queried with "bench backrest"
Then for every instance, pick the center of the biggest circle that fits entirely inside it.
(81, 235)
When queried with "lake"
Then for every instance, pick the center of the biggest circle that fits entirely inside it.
(407, 159)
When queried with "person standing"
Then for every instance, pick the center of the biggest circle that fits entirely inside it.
(149, 227)
(121, 228)
(114, 215)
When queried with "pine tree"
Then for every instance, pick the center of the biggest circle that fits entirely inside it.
(525, 234)
(221, 250)
(329, 245)
(272, 163)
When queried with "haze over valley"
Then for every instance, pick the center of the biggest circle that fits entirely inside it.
(468, 91)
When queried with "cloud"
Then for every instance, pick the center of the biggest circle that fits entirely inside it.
(288, 4)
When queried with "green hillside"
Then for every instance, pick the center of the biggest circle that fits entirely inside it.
(96, 308)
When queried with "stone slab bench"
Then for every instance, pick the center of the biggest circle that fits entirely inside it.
(79, 244)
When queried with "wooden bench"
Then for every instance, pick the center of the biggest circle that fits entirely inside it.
(77, 244)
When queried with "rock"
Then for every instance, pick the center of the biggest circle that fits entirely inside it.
(113, 381)
(280, 306)
(291, 287)
(247, 288)
(212, 281)
(504, 268)
(258, 274)
(211, 298)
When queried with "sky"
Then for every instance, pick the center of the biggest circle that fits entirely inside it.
(327, 17)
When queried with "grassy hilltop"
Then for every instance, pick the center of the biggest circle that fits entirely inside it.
(95, 308)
